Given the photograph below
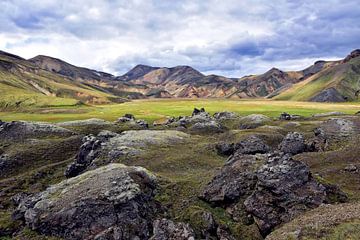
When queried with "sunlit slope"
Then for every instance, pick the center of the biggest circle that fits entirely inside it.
(23, 84)
(337, 83)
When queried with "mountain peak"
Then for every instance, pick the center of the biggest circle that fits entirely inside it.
(137, 72)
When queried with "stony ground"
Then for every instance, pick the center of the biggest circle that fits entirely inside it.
(202, 176)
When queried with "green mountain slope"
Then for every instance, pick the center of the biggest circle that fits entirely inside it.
(338, 82)
(24, 84)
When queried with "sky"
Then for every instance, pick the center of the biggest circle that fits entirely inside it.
(226, 37)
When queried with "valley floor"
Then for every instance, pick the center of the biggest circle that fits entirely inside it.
(207, 168)
(157, 109)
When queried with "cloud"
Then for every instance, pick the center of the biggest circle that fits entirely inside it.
(227, 37)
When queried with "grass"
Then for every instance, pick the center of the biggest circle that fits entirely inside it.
(161, 108)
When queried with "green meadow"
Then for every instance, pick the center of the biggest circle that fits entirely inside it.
(152, 110)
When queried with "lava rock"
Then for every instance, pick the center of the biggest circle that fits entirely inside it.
(285, 116)
(251, 145)
(165, 229)
(225, 115)
(285, 189)
(207, 127)
(236, 179)
(126, 118)
(198, 111)
(112, 202)
(225, 149)
(288, 117)
(87, 153)
(109, 147)
(19, 130)
(293, 143)
(253, 121)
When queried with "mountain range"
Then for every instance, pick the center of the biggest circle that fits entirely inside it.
(44, 80)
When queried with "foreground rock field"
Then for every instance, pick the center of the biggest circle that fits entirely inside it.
(203, 176)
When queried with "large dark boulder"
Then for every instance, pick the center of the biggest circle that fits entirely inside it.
(235, 180)
(293, 143)
(285, 189)
(251, 145)
(112, 202)
(225, 149)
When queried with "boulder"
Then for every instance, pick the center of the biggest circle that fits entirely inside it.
(293, 143)
(207, 127)
(130, 119)
(288, 117)
(225, 115)
(338, 128)
(112, 202)
(285, 116)
(251, 145)
(126, 118)
(253, 121)
(285, 189)
(225, 149)
(235, 180)
(18, 130)
(86, 122)
(142, 124)
(108, 147)
(165, 229)
(198, 111)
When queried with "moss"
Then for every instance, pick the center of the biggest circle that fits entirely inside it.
(7, 225)
(28, 234)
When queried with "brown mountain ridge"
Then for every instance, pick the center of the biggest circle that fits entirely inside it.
(322, 81)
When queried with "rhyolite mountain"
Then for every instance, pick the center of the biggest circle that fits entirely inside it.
(56, 82)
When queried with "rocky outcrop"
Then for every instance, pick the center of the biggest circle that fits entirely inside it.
(109, 146)
(86, 122)
(207, 127)
(87, 153)
(130, 119)
(225, 115)
(293, 143)
(18, 130)
(225, 149)
(285, 189)
(251, 145)
(235, 180)
(288, 117)
(165, 229)
(253, 121)
(112, 202)
(338, 128)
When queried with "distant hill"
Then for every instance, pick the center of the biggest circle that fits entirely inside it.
(43, 81)
(24, 83)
